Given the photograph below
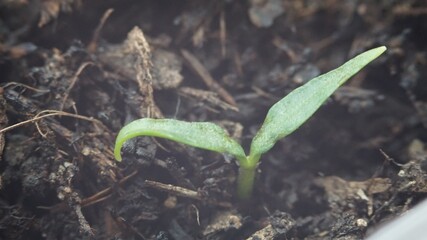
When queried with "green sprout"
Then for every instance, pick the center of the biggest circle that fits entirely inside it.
(282, 119)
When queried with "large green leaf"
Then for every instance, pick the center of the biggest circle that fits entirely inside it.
(292, 111)
(197, 134)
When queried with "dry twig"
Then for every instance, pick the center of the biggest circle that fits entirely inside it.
(73, 82)
(203, 73)
(50, 113)
(91, 47)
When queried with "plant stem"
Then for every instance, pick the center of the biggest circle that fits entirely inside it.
(245, 182)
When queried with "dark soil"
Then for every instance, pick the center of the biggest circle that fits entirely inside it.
(73, 73)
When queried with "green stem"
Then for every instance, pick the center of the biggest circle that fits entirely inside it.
(245, 182)
(246, 178)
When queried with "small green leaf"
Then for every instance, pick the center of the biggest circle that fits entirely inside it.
(197, 134)
(292, 111)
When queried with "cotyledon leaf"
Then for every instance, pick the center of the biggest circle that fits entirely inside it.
(292, 111)
(203, 135)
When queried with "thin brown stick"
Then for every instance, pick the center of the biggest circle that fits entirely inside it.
(176, 190)
(203, 73)
(390, 159)
(50, 113)
(183, 192)
(73, 82)
(206, 96)
(95, 37)
(104, 194)
(265, 94)
(25, 86)
(44, 135)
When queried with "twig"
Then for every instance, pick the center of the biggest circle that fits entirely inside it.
(203, 73)
(390, 159)
(104, 194)
(50, 113)
(94, 41)
(25, 86)
(206, 96)
(73, 82)
(183, 192)
(176, 190)
(265, 94)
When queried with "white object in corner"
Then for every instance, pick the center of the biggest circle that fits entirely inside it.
(411, 225)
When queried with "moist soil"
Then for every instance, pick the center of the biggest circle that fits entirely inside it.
(74, 72)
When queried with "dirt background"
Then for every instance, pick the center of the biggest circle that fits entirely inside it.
(74, 72)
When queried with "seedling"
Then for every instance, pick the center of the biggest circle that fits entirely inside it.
(282, 119)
